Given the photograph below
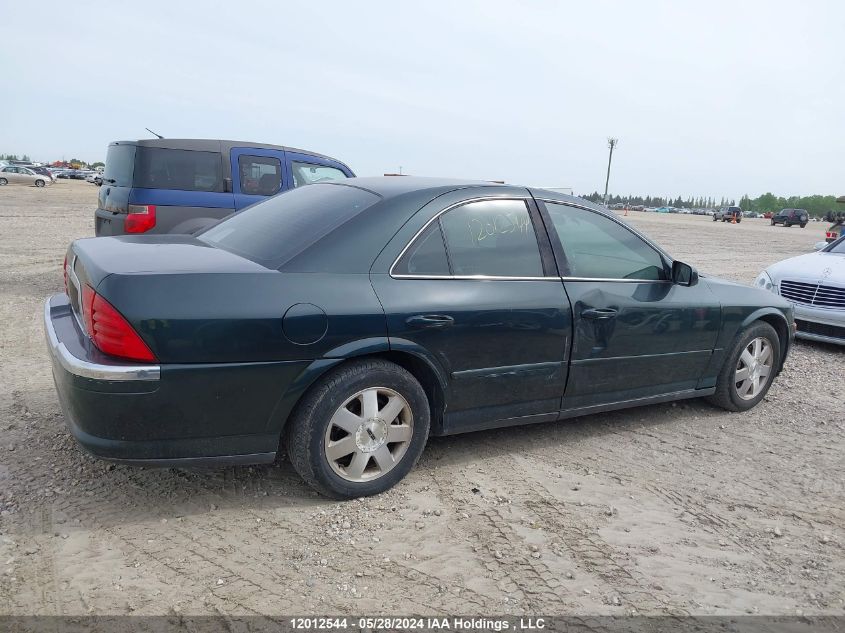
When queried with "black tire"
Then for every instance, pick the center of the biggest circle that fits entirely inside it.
(3, 182)
(787, 224)
(727, 396)
(773, 223)
(714, 218)
(306, 429)
(803, 225)
(39, 183)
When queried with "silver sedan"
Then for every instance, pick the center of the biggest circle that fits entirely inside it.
(815, 284)
(12, 175)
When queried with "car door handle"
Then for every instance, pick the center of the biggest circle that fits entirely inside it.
(430, 321)
(596, 314)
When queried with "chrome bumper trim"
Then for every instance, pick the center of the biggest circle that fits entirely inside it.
(86, 369)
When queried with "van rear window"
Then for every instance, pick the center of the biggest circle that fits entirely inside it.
(120, 163)
(186, 170)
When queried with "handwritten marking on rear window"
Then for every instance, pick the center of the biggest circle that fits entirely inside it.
(499, 224)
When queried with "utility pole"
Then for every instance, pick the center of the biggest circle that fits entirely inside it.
(611, 143)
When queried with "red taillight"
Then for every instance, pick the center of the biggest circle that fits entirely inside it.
(140, 219)
(109, 331)
(830, 235)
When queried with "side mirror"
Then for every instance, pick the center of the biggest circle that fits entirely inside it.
(819, 246)
(684, 274)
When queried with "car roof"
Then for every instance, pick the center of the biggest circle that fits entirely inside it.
(214, 145)
(392, 186)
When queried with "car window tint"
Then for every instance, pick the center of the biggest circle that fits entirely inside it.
(120, 164)
(426, 255)
(492, 237)
(309, 173)
(597, 247)
(186, 170)
(278, 229)
(260, 175)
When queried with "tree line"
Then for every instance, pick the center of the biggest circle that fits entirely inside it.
(815, 205)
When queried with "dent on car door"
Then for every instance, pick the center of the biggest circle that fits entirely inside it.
(636, 334)
(476, 294)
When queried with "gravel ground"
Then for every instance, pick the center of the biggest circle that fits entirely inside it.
(677, 508)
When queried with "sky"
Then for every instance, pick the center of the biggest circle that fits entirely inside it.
(706, 98)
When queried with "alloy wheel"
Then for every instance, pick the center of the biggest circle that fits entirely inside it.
(369, 434)
(753, 368)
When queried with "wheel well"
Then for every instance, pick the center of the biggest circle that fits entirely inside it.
(782, 329)
(425, 375)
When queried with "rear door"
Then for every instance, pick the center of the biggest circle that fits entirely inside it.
(636, 334)
(113, 196)
(477, 292)
(256, 174)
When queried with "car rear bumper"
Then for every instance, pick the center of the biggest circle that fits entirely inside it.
(167, 415)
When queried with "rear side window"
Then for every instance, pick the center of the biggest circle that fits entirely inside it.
(260, 175)
(120, 163)
(492, 238)
(309, 173)
(186, 170)
(426, 256)
(275, 231)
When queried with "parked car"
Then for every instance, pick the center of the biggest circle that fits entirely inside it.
(333, 317)
(837, 229)
(42, 171)
(788, 217)
(95, 178)
(815, 284)
(13, 175)
(183, 185)
(728, 214)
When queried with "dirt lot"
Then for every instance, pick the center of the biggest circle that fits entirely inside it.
(666, 509)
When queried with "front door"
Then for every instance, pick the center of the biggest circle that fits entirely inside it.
(636, 334)
(473, 290)
(256, 174)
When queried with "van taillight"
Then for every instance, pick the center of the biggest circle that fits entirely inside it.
(140, 218)
(109, 331)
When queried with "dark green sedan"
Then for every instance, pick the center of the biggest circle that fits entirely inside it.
(348, 321)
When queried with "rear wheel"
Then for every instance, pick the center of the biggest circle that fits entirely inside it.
(803, 225)
(749, 369)
(773, 223)
(39, 183)
(359, 430)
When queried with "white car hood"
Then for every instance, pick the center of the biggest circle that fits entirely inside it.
(812, 267)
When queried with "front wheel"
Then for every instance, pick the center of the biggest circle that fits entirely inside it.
(803, 225)
(359, 430)
(749, 369)
(3, 182)
(773, 222)
(39, 183)
(715, 218)
(787, 224)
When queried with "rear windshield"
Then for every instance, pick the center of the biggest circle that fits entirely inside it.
(275, 231)
(734, 209)
(120, 163)
(186, 170)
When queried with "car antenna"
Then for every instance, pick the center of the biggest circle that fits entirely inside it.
(153, 133)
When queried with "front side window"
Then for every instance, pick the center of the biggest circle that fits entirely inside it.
(187, 170)
(596, 247)
(260, 175)
(492, 238)
(309, 173)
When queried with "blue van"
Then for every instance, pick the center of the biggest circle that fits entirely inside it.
(183, 185)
